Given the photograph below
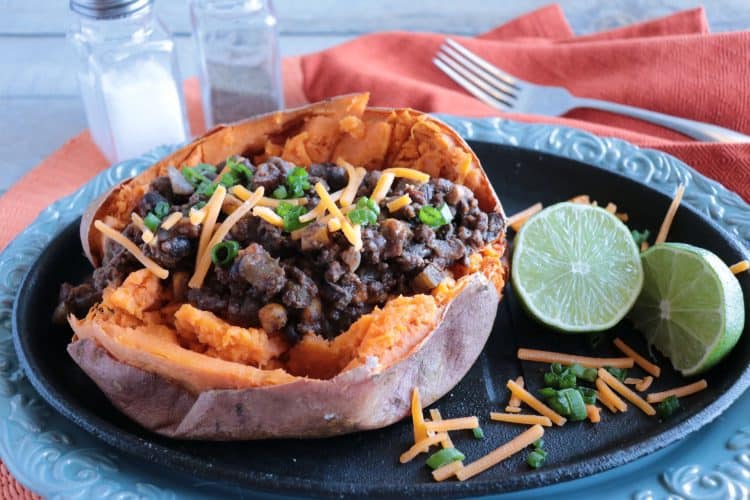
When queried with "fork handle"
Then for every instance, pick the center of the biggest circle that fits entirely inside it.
(697, 130)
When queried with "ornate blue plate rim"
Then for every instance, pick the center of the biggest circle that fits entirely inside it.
(56, 459)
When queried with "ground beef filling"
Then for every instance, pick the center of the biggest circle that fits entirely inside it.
(317, 283)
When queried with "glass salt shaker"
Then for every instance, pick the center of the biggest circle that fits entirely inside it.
(128, 76)
(238, 50)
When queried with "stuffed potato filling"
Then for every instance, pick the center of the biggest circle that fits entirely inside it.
(293, 263)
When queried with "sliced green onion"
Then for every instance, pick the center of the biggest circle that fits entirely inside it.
(280, 193)
(290, 215)
(224, 253)
(152, 222)
(588, 394)
(619, 373)
(206, 189)
(547, 392)
(443, 457)
(298, 181)
(238, 168)
(536, 458)
(478, 432)
(640, 236)
(567, 380)
(589, 375)
(199, 205)
(162, 209)
(197, 175)
(431, 216)
(551, 379)
(576, 406)
(445, 211)
(366, 212)
(229, 179)
(539, 443)
(557, 368)
(666, 408)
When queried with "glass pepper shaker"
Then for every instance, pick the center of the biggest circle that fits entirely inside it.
(239, 60)
(128, 76)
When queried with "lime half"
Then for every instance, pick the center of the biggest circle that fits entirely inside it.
(576, 268)
(691, 307)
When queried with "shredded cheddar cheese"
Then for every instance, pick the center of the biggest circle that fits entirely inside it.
(382, 187)
(593, 413)
(512, 409)
(408, 173)
(498, 455)
(628, 351)
(667, 223)
(204, 259)
(171, 220)
(611, 208)
(606, 401)
(268, 215)
(521, 419)
(740, 267)
(147, 236)
(519, 219)
(320, 209)
(212, 208)
(680, 392)
(569, 359)
(138, 222)
(645, 384)
(582, 199)
(514, 402)
(197, 216)
(452, 424)
(436, 417)
(398, 203)
(356, 176)
(334, 224)
(421, 446)
(352, 234)
(625, 392)
(117, 237)
(447, 470)
(533, 402)
(609, 398)
(243, 194)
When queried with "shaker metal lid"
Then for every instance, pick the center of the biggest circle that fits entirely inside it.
(106, 9)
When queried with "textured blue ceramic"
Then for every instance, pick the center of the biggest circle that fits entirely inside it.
(55, 458)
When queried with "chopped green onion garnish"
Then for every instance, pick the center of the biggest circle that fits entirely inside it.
(197, 175)
(239, 169)
(588, 394)
(478, 432)
(539, 443)
(640, 236)
(443, 457)
(551, 379)
(431, 216)
(547, 392)
(161, 209)
(536, 458)
(290, 215)
(619, 373)
(589, 375)
(567, 380)
(229, 179)
(206, 189)
(445, 211)
(298, 182)
(568, 403)
(280, 193)
(557, 368)
(199, 205)
(366, 212)
(224, 253)
(152, 222)
(666, 408)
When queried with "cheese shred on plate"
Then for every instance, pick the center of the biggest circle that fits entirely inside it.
(352, 234)
(408, 173)
(269, 216)
(498, 455)
(171, 220)
(398, 203)
(131, 247)
(382, 187)
(356, 176)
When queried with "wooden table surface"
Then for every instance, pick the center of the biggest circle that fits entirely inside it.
(39, 103)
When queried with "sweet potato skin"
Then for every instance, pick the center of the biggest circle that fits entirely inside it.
(358, 399)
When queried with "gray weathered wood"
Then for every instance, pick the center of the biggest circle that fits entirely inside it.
(358, 16)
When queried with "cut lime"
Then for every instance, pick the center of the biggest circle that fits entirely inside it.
(691, 307)
(576, 268)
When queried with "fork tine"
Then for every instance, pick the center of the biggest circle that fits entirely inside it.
(475, 80)
(503, 75)
(469, 86)
(485, 78)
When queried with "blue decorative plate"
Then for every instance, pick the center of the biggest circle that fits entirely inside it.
(55, 458)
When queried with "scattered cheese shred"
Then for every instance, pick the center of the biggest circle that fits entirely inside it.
(334, 224)
(519, 219)
(680, 392)
(131, 247)
(352, 234)
(593, 412)
(533, 402)
(498, 455)
(408, 173)
(512, 409)
(138, 222)
(171, 220)
(667, 223)
(521, 419)
(609, 398)
(147, 236)
(645, 384)
(452, 424)
(623, 216)
(625, 392)
(582, 199)
(628, 351)
(611, 208)
(420, 432)
(356, 176)
(382, 187)
(447, 470)
(514, 402)
(740, 267)
(197, 216)
(633, 381)
(212, 208)
(319, 210)
(268, 215)
(569, 359)
(204, 259)
(435, 415)
(421, 446)
(398, 203)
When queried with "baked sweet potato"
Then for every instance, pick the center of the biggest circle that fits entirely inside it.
(185, 362)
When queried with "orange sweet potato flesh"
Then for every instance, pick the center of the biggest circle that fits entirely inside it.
(186, 373)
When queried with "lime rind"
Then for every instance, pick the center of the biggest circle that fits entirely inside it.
(704, 301)
(576, 268)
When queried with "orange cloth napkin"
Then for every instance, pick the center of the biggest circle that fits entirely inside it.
(670, 64)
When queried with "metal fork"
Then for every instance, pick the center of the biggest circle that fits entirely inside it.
(509, 93)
